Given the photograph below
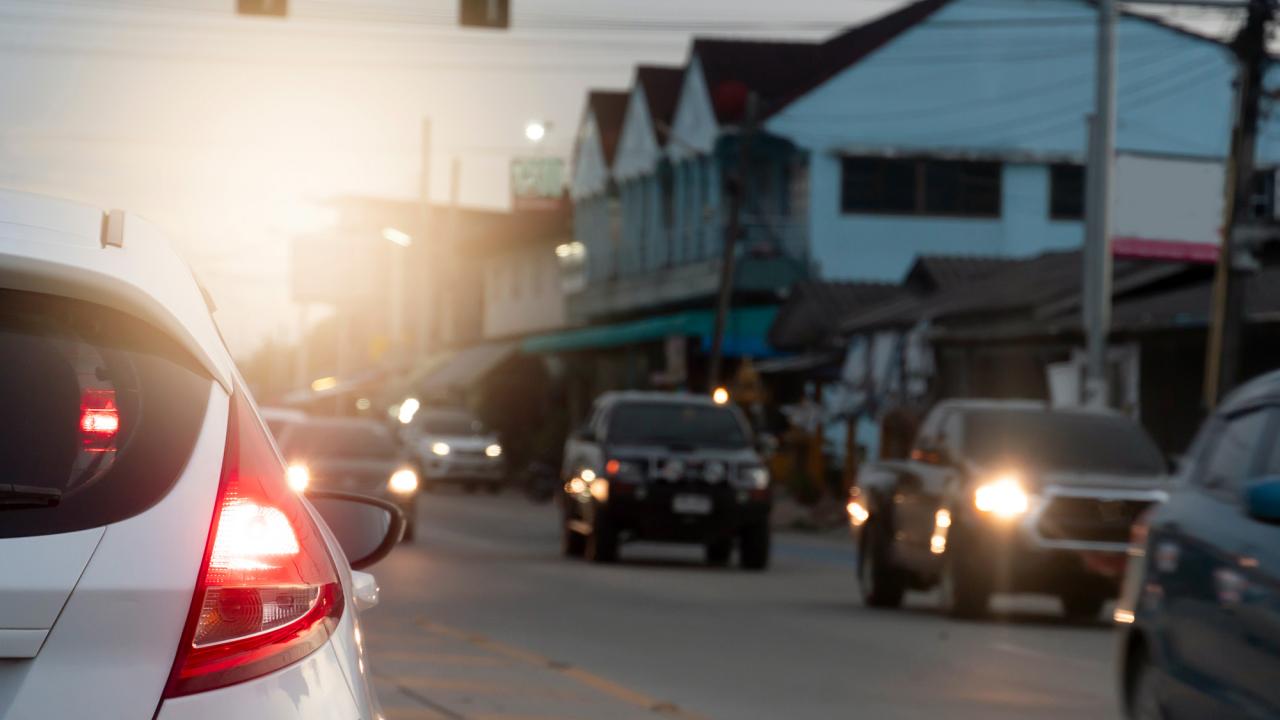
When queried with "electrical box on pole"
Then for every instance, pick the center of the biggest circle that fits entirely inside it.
(494, 14)
(263, 8)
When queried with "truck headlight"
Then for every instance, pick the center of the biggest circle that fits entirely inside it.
(403, 481)
(754, 478)
(440, 448)
(1002, 497)
(494, 450)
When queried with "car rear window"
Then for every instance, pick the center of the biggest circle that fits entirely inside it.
(1065, 441)
(676, 424)
(100, 413)
(338, 441)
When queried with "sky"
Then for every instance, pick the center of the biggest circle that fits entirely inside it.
(230, 132)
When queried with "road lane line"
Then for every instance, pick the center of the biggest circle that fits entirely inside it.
(589, 679)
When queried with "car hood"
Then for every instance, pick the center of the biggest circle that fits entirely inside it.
(1103, 480)
(475, 443)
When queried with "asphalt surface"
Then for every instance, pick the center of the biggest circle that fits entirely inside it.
(482, 619)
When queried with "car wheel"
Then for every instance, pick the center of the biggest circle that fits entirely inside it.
(965, 590)
(572, 544)
(469, 488)
(718, 552)
(602, 544)
(882, 584)
(1144, 699)
(494, 488)
(753, 547)
(408, 535)
(1082, 606)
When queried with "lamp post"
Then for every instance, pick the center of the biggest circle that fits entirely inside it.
(400, 239)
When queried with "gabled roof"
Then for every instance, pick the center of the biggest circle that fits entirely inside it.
(609, 108)
(935, 273)
(779, 72)
(662, 90)
(813, 311)
(734, 68)
(1037, 287)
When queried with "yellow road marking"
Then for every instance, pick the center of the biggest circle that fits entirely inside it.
(591, 680)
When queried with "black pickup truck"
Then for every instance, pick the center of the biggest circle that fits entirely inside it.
(1005, 496)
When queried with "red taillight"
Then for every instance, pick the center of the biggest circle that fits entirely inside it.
(267, 594)
(99, 420)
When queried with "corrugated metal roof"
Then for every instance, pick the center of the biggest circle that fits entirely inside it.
(813, 311)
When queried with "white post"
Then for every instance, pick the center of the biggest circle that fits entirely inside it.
(1096, 305)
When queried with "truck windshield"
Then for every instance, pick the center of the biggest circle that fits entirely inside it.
(1070, 441)
(450, 424)
(651, 423)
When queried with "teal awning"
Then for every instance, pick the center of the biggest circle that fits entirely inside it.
(745, 333)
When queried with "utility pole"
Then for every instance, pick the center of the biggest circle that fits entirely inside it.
(738, 190)
(1222, 364)
(425, 242)
(1096, 304)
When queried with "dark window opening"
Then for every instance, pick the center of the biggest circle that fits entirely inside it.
(1066, 192)
(959, 188)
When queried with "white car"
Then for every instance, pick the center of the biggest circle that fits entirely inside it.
(153, 561)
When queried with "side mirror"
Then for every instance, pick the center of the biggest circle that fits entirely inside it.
(1262, 499)
(366, 528)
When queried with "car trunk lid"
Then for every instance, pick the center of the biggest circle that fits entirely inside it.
(37, 575)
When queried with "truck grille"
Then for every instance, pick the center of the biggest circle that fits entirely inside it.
(1090, 519)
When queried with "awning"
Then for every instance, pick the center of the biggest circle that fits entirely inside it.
(746, 333)
(466, 366)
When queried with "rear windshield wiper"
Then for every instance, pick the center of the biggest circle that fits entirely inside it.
(28, 496)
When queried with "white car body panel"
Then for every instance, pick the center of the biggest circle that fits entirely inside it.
(54, 246)
(37, 575)
(314, 688)
(117, 620)
(120, 630)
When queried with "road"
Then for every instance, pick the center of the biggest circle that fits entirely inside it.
(482, 619)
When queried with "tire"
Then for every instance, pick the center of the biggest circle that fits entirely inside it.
(881, 583)
(470, 488)
(719, 552)
(753, 547)
(572, 544)
(965, 588)
(409, 532)
(602, 544)
(1144, 696)
(1082, 606)
(493, 488)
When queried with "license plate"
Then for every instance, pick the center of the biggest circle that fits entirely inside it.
(691, 504)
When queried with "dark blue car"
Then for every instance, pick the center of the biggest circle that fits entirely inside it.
(1200, 608)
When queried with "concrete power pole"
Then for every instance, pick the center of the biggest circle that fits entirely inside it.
(728, 259)
(1222, 364)
(1096, 305)
(424, 243)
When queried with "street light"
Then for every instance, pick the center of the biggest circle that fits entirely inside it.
(535, 131)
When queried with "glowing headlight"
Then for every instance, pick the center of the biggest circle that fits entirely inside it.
(600, 489)
(858, 514)
(403, 481)
(440, 448)
(493, 450)
(755, 478)
(1002, 497)
(298, 477)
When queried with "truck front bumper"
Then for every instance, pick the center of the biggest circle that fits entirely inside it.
(673, 513)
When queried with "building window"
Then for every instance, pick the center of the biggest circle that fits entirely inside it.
(1066, 192)
(959, 188)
